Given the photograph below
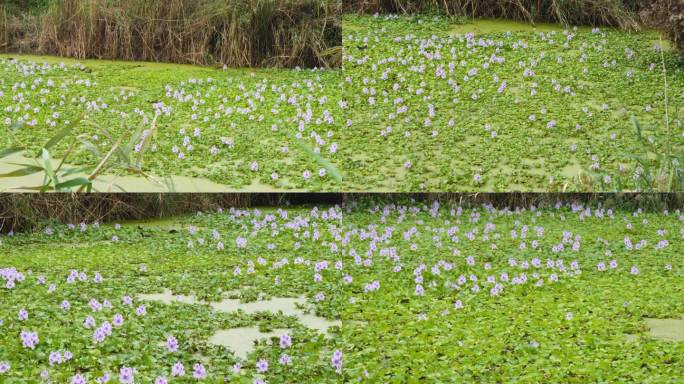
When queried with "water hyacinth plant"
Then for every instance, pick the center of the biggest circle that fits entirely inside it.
(658, 165)
(472, 292)
(424, 102)
(238, 128)
(444, 105)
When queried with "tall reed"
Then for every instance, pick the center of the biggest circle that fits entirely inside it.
(235, 33)
(28, 212)
(619, 13)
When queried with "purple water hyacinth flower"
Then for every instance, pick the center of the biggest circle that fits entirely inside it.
(4, 367)
(29, 339)
(118, 320)
(23, 314)
(172, 344)
(99, 335)
(241, 242)
(89, 322)
(285, 341)
(55, 358)
(262, 366)
(104, 378)
(95, 305)
(178, 369)
(237, 367)
(199, 371)
(79, 379)
(106, 327)
(285, 359)
(336, 361)
(126, 375)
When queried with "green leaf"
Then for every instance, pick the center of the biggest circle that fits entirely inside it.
(637, 127)
(57, 138)
(49, 169)
(9, 152)
(77, 182)
(28, 170)
(332, 171)
(91, 147)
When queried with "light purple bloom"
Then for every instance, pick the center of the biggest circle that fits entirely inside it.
(104, 378)
(178, 369)
(285, 341)
(29, 339)
(200, 372)
(285, 359)
(55, 358)
(172, 344)
(126, 376)
(262, 366)
(336, 361)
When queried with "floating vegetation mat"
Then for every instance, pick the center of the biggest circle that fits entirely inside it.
(358, 292)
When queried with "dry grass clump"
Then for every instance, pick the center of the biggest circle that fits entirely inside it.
(668, 16)
(28, 212)
(31, 211)
(236, 33)
(620, 13)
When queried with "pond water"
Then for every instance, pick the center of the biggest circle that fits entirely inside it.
(125, 183)
(666, 329)
(241, 340)
(662, 329)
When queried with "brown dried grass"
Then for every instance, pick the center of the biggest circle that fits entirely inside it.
(239, 33)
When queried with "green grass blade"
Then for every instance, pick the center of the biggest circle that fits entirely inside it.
(329, 167)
